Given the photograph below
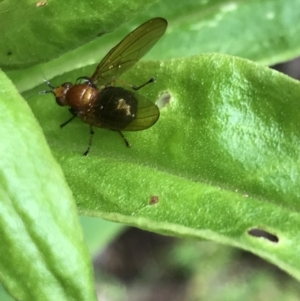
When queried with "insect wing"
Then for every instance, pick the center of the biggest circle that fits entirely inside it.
(125, 54)
(146, 116)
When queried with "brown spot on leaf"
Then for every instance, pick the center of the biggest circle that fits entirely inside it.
(153, 200)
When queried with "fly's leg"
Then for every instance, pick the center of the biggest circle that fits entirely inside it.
(72, 111)
(124, 139)
(50, 86)
(134, 87)
(86, 80)
(90, 142)
(151, 80)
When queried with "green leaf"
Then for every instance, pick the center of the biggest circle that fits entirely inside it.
(42, 246)
(4, 295)
(222, 159)
(56, 27)
(265, 31)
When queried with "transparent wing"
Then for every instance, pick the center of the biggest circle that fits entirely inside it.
(125, 54)
(146, 116)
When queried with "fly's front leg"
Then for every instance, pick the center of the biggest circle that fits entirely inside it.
(74, 113)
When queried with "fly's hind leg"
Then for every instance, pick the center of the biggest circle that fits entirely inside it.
(124, 139)
(90, 141)
(134, 87)
(151, 80)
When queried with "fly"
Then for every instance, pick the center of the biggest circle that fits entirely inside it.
(98, 102)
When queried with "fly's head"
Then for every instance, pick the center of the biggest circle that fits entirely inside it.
(59, 92)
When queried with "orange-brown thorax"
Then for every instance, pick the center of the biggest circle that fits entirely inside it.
(79, 97)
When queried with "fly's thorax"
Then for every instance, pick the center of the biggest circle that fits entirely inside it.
(81, 96)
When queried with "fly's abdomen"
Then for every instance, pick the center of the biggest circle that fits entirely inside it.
(115, 108)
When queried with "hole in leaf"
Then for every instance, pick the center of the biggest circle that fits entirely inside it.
(163, 100)
(41, 3)
(256, 232)
(154, 199)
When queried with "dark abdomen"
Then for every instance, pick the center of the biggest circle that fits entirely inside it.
(115, 108)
